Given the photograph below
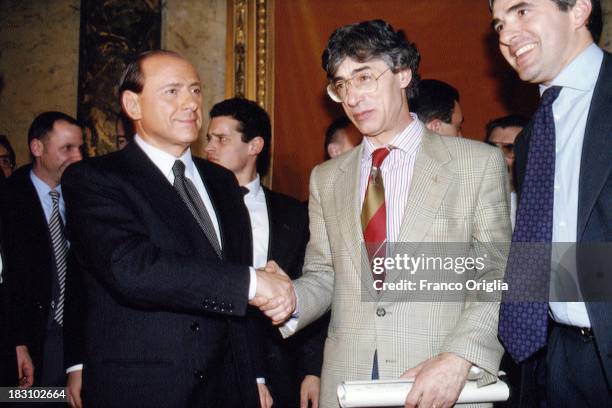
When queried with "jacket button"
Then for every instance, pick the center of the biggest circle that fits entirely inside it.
(195, 326)
(199, 375)
(380, 312)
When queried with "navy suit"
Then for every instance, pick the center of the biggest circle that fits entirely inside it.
(163, 322)
(594, 222)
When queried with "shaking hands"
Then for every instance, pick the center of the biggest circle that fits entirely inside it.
(274, 296)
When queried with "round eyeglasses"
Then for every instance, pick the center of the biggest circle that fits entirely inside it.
(362, 82)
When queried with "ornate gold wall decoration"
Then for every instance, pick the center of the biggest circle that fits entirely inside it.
(249, 59)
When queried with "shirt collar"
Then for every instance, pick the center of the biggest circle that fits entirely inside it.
(407, 141)
(579, 74)
(164, 161)
(254, 187)
(43, 188)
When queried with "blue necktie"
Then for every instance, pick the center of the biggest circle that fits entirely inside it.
(523, 315)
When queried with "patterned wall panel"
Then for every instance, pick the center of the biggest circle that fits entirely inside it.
(112, 32)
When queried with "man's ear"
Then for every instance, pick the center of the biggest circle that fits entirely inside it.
(405, 77)
(333, 150)
(434, 125)
(581, 12)
(37, 147)
(131, 104)
(256, 145)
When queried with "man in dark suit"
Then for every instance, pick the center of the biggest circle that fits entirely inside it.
(239, 138)
(36, 249)
(159, 233)
(563, 173)
(8, 366)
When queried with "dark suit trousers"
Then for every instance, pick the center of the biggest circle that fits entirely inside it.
(575, 376)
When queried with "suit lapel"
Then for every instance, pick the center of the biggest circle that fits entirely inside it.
(148, 179)
(228, 204)
(348, 208)
(275, 228)
(595, 164)
(430, 182)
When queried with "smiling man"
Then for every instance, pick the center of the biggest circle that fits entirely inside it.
(563, 168)
(160, 234)
(425, 188)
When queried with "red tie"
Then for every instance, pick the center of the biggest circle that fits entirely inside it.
(374, 211)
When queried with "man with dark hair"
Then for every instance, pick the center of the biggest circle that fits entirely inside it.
(159, 233)
(124, 131)
(563, 172)
(403, 184)
(502, 132)
(437, 106)
(37, 249)
(340, 136)
(7, 156)
(239, 138)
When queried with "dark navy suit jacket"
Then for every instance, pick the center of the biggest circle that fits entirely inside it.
(163, 323)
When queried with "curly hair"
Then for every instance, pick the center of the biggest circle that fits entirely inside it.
(369, 40)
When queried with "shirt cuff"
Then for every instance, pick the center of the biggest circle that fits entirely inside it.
(75, 367)
(260, 380)
(290, 326)
(252, 283)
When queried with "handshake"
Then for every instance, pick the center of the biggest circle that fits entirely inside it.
(274, 296)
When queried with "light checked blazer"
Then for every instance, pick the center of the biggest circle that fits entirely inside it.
(457, 194)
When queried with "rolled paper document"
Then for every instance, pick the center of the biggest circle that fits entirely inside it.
(392, 393)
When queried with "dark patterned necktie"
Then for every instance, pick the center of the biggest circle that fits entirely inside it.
(60, 251)
(523, 316)
(374, 210)
(192, 199)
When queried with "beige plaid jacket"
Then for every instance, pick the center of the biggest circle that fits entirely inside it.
(458, 194)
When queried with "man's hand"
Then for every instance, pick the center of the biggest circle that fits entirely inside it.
(274, 295)
(437, 381)
(309, 391)
(265, 399)
(25, 367)
(74, 385)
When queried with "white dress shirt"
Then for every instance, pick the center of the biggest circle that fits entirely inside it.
(570, 111)
(255, 201)
(396, 170)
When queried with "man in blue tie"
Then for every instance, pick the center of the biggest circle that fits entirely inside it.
(564, 181)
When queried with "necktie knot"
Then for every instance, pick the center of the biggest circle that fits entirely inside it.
(549, 95)
(379, 155)
(54, 196)
(178, 168)
(244, 190)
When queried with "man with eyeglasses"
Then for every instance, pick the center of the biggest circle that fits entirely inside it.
(403, 184)
(7, 157)
(502, 132)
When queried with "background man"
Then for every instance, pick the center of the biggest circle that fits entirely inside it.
(437, 106)
(564, 183)
(160, 235)
(239, 138)
(502, 132)
(37, 249)
(7, 156)
(426, 197)
(340, 136)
